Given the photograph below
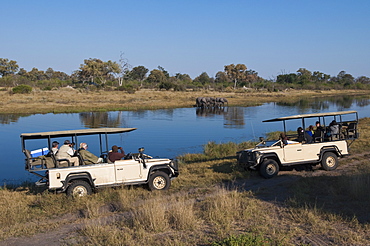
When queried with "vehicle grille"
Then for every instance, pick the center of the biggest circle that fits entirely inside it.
(246, 157)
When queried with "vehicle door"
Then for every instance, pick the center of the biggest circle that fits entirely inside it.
(128, 170)
(293, 152)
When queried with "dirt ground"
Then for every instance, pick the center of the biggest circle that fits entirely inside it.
(276, 190)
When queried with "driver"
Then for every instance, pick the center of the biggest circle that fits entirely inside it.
(114, 155)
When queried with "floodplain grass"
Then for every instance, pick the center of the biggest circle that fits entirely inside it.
(69, 100)
(204, 208)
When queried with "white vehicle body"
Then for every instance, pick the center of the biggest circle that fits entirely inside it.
(122, 172)
(270, 156)
(60, 175)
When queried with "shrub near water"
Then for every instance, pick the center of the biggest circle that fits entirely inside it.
(213, 150)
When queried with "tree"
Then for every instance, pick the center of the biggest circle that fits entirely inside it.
(124, 68)
(251, 77)
(363, 80)
(236, 72)
(345, 78)
(221, 78)
(203, 78)
(22, 72)
(36, 74)
(49, 73)
(320, 77)
(156, 77)
(184, 78)
(287, 78)
(304, 76)
(8, 67)
(164, 71)
(93, 69)
(139, 73)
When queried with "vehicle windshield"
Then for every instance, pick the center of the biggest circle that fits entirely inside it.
(269, 143)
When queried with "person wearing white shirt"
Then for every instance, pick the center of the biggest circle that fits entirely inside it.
(66, 152)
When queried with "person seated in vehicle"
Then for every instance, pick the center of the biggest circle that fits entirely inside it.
(334, 129)
(67, 152)
(87, 156)
(54, 147)
(310, 130)
(303, 136)
(319, 132)
(284, 138)
(114, 155)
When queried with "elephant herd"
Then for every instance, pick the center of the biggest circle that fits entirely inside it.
(211, 102)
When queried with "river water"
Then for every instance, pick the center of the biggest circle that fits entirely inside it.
(163, 133)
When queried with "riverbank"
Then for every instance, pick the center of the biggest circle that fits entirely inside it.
(69, 100)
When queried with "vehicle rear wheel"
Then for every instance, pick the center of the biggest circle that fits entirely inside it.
(159, 181)
(269, 168)
(79, 188)
(329, 161)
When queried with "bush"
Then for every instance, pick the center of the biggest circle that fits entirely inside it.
(22, 89)
(47, 88)
(131, 89)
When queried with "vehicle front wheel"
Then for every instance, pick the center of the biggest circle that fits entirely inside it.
(269, 168)
(329, 161)
(159, 181)
(79, 188)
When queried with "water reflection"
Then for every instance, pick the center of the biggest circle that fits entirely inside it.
(210, 112)
(9, 118)
(321, 104)
(100, 119)
(234, 118)
(362, 102)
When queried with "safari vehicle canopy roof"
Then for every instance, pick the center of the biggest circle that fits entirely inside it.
(68, 133)
(317, 115)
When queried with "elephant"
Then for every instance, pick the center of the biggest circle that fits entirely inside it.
(221, 101)
(201, 102)
(211, 102)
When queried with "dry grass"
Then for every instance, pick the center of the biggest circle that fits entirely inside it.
(205, 205)
(67, 100)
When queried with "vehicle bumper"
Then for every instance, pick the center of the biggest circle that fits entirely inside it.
(247, 159)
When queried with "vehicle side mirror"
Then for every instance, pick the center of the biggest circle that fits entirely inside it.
(262, 140)
(141, 150)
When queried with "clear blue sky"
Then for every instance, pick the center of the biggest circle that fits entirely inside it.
(271, 37)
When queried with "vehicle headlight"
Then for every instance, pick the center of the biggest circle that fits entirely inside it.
(257, 155)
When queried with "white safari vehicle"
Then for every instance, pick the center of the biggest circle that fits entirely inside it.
(324, 147)
(61, 176)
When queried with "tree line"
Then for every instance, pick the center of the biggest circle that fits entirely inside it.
(111, 75)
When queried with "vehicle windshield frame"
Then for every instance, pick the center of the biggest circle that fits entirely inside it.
(268, 143)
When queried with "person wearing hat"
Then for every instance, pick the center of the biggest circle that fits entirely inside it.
(54, 147)
(66, 152)
(114, 155)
